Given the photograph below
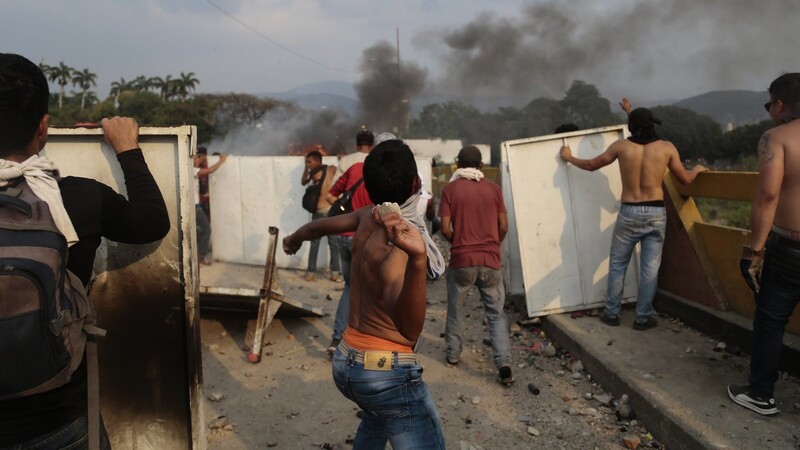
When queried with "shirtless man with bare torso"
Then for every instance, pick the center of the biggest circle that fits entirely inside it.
(774, 243)
(643, 160)
(375, 365)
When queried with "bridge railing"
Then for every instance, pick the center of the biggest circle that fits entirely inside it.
(701, 259)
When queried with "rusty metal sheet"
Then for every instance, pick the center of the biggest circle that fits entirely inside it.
(150, 362)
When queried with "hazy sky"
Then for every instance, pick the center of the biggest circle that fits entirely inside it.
(646, 49)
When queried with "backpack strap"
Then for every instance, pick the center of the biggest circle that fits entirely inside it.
(353, 188)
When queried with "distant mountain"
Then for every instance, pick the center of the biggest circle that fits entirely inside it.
(338, 95)
(739, 107)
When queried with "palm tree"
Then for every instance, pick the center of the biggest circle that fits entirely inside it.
(172, 87)
(61, 74)
(159, 85)
(187, 83)
(85, 79)
(118, 87)
(140, 84)
(45, 69)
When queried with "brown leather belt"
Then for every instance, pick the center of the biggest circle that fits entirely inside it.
(379, 360)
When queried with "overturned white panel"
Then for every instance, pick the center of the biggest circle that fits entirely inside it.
(444, 150)
(249, 194)
(563, 219)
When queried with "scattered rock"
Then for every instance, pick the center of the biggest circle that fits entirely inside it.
(588, 395)
(604, 399)
(216, 396)
(228, 427)
(464, 445)
(533, 431)
(272, 444)
(476, 400)
(550, 351)
(219, 422)
(720, 347)
(631, 441)
(303, 367)
(359, 413)
(610, 343)
(688, 350)
(223, 334)
(245, 347)
(487, 342)
(577, 376)
(623, 410)
(577, 367)
(328, 297)
(214, 347)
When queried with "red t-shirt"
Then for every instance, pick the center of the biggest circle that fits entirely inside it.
(345, 182)
(473, 207)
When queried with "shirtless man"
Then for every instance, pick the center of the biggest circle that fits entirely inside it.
(643, 160)
(375, 365)
(316, 172)
(775, 233)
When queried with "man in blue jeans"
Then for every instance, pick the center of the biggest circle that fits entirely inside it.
(775, 242)
(474, 220)
(375, 364)
(643, 160)
(321, 178)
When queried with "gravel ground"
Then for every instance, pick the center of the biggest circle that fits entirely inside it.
(289, 401)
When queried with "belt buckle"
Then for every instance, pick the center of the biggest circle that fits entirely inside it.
(377, 360)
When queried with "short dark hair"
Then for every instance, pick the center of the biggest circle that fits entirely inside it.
(314, 155)
(202, 150)
(566, 128)
(786, 88)
(469, 156)
(389, 172)
(24, 96)
(365, 137)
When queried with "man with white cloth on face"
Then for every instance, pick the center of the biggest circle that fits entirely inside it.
(474, 220)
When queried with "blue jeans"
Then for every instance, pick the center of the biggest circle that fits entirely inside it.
(775, 302)
(645, 224)
(312, 254)
(203, 231)
(490, 285)
(398, 407)
(343, 310)
(71, 437)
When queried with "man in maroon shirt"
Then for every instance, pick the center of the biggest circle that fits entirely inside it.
(474, 220)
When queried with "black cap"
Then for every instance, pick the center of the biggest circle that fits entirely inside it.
(469, 156)
(643, 118)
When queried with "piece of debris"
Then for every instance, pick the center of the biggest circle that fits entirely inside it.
(631, 441)
(604, 399)
(720, 347)
(214, 347)
(328, 297)
(533, 389)
(577, 314)
(476, 400)
(688, 350)
(577, 367)
(228, 427)
(327, 446)
(223, 334)
(514, 328)
(216, 396)
(733, 349)
(487, 342)
(533, 431)
(610, 342)
(530, 322)
(623, 410)
(464, 445)
(271, 444)
(219, 422)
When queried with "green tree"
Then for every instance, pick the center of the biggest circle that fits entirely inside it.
(84, 79)
(743, 141)
(695, 135)
(117, 88)
(586, 108)
(62, 75)
(187, 84)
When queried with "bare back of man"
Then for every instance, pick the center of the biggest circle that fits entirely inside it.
(641, 166)
(322, 203)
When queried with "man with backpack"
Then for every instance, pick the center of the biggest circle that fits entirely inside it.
(73, 212)
(320, 177)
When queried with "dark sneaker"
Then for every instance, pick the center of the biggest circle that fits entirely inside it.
(646, 325)
(762, 405)
(332, 346)
(610, 321)
(505, 377)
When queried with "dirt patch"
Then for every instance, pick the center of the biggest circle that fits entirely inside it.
(289, 401)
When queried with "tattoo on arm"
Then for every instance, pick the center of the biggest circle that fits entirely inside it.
(765, 154)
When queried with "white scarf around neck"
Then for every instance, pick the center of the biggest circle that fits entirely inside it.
(469, 173)
(435, 266)
(39, 172)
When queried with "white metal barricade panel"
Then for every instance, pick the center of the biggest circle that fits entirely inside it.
(250, 194)
(150, 364)
(445, 150)
(563, 218)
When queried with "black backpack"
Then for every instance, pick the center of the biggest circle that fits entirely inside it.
(45, 313)
(311, 197)
(344, 204)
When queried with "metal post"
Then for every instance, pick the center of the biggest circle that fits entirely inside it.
(264, 303)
